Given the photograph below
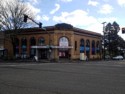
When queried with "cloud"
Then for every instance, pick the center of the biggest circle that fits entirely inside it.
(33, 1)
(42, 18)
(106, 9)
(93, 27)
(121, 2)
(66, 0)
(29, 6)
(38, 18)
(34, 10)
(77, 18)
(96, 27)
(107, 19)
(56, 9)
(93, 3)
(82, 19)
(106, 0)
(45, 18)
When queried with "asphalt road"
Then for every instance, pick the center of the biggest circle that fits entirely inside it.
(102, 77)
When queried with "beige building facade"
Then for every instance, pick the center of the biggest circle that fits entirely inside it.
(56, 42)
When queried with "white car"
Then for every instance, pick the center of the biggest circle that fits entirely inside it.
(119, 57)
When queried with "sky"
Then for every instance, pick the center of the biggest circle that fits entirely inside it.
(83, 14)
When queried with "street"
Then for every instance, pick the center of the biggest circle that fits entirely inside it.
(95, 77)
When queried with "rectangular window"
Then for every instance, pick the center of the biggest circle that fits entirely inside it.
(75, 45)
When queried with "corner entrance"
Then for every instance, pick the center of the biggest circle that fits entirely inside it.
(63, 50)
(63, 53)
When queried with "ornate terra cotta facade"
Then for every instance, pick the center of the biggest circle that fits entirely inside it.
(56, 42)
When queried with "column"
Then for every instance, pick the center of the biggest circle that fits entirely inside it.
(72, 44)
(55, 43)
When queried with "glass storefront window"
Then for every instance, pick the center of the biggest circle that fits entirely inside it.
(82, 46)
(97, 47)
(23, 47)
(63, 41)
(32, 50)
(17, 47)
(41, 41)
(87, 46)
(93, 47)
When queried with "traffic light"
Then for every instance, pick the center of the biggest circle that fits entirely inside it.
(25, 18)
(123, 30)
(40, 25)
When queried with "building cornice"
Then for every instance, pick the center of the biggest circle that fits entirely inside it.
(59, 27)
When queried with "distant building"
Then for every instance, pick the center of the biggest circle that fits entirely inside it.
(56, 42)
(1, 44)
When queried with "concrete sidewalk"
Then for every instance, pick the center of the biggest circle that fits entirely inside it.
(42, 61)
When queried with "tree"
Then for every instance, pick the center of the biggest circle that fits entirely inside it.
(11, 16)
(114, 40)
(116, 27)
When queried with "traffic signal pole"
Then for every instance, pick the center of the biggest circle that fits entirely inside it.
(27, 17)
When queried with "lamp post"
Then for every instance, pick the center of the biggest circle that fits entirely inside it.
(104, 40)
(49, 44)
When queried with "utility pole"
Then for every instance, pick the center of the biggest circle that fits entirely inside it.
(104, 39)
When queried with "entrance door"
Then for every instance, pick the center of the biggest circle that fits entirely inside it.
(64, 54)
(87, 54)
(43, 53)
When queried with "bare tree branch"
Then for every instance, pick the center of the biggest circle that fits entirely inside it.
(12, 14)
(11, 17)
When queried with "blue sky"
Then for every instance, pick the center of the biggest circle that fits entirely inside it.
(84, 14)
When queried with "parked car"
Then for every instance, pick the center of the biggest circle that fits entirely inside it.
(119, 57)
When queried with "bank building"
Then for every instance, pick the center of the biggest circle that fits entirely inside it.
(61, 41)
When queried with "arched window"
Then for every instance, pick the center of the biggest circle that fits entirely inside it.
(82, 46)
(63, 41)
(32, 41)
(41, 41)
(87, 46)
(16, 47)
(63, 52)
(32, 50)
(82, 42)
(24, 46)
(97, 47)
(93, 47)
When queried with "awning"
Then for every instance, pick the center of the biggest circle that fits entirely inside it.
(1, 49)
(39, 47)
(58, 47)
